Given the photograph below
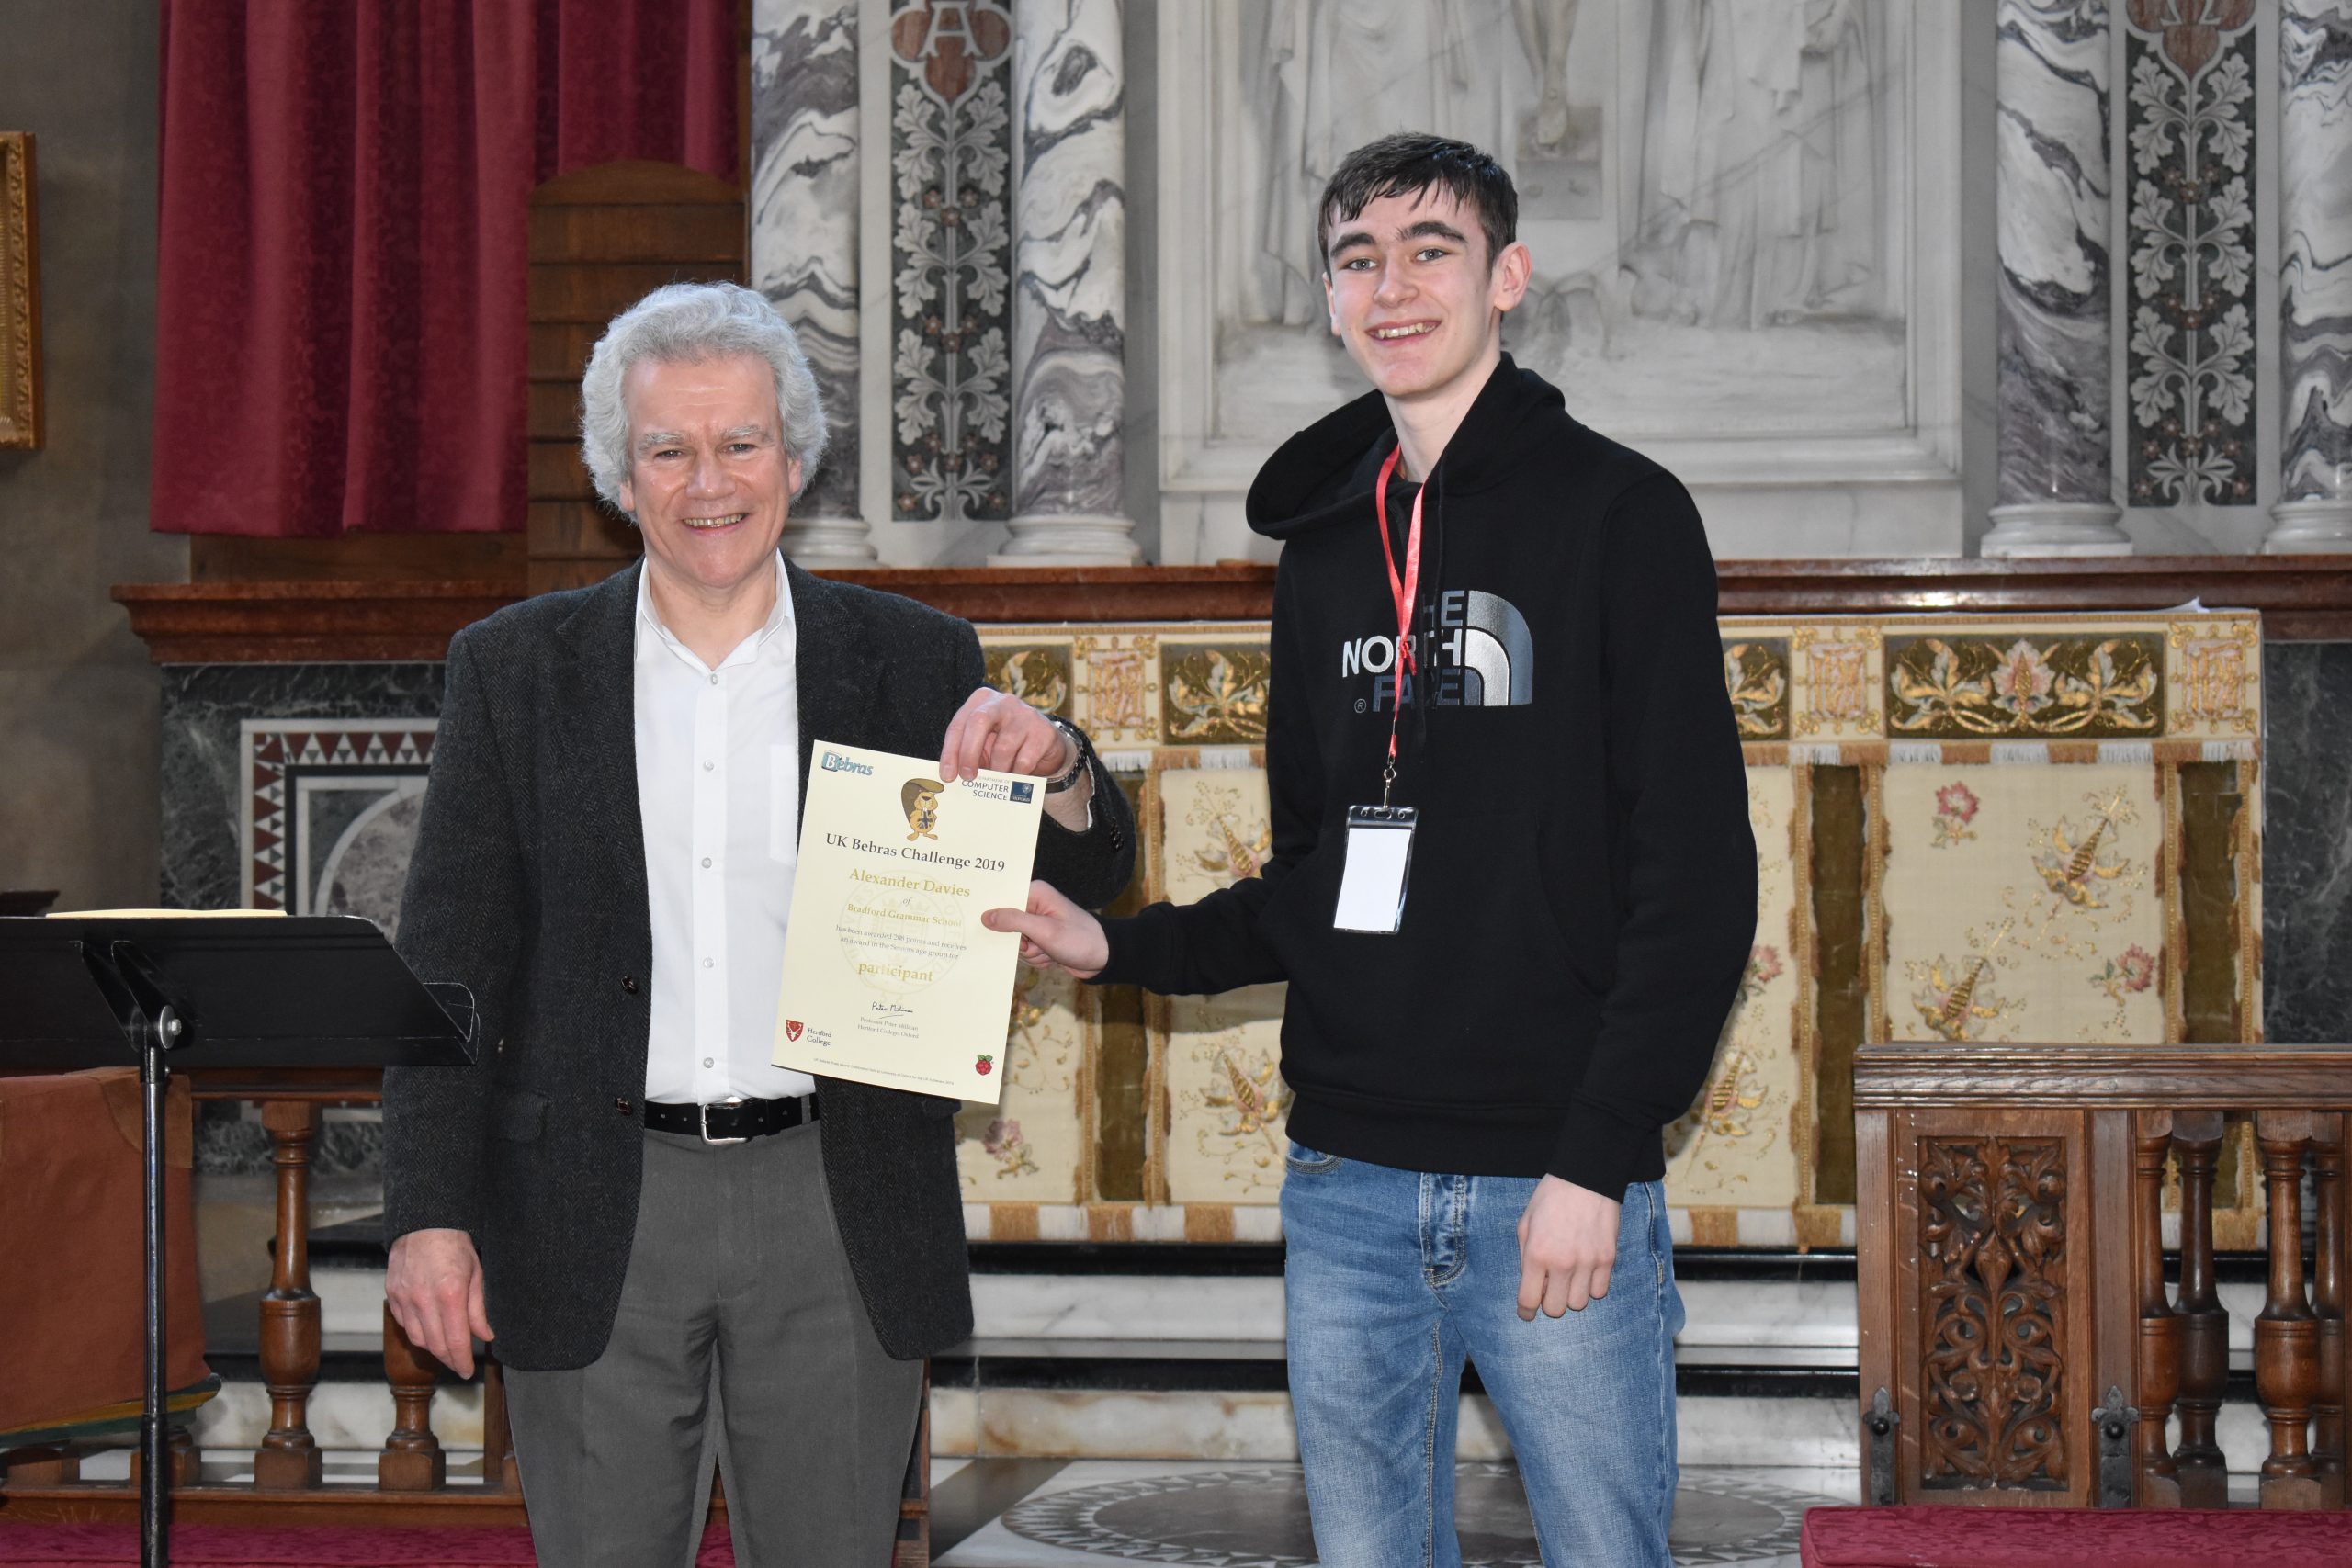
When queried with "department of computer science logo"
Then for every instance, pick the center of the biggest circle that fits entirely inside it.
(1481, 655)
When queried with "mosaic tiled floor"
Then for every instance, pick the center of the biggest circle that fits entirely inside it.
(1040, 1513)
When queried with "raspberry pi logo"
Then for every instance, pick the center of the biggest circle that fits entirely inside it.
(985, 1066)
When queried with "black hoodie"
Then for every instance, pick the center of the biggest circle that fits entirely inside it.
(1583, 885)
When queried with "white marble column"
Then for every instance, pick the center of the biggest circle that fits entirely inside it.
(2056, 469)
(804, 241)
(2314, 508)
(1070, 287)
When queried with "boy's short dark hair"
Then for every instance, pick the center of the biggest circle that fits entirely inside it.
(1413, 161)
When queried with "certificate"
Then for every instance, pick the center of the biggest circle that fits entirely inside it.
(889, 978)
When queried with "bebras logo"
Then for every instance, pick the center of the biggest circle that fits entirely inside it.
(1483, 655)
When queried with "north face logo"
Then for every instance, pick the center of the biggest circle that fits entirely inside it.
(1482, 655)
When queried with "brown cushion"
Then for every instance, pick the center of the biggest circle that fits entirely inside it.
(73, 1270)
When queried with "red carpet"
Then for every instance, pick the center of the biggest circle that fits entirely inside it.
(236, 1546)
(2074, 1538)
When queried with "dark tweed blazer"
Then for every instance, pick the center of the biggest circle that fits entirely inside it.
(528, 885)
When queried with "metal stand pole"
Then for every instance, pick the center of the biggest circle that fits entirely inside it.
(155, 1427)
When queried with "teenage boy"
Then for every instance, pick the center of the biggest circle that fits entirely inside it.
(1512, 889)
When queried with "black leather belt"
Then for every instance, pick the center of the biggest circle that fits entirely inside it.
(731, 1121)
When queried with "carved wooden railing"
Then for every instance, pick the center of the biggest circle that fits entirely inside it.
(2020, 1345)
(412, 1483)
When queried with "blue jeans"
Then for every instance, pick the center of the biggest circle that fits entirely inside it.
(1395, 1279)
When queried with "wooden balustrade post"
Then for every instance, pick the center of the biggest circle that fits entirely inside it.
(498, 1468)
(2204, 1326)
(2327, 1304)
(2156, 1479)
(2286, 1336)
(187, 1466)
(413, 1459)
(288, 1458)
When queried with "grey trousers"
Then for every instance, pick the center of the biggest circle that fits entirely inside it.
(741, 1333)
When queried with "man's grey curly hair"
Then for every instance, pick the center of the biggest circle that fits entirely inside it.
(693, 322)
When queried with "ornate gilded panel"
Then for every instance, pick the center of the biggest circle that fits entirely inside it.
(1992, 1309)
(1756, 673)
(1038, 674)
(1214, 694)
(1960, 685)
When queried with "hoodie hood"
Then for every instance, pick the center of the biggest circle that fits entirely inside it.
(1324, 474)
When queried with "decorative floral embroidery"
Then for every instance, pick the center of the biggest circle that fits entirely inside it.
(1755, 675)
(2134, 971)
(1763, 967)
(2076, 865)
(1003, 1143)
(1254, 1101)
(1966, 689)
(1216, 696)
(1956, 806)
(1954, 999)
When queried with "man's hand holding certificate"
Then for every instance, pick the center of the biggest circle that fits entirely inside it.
(889, 978)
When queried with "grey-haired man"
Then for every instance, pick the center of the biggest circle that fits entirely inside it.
(680, 1245)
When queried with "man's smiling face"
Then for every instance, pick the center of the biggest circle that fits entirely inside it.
(1412, 293)
(708, 480)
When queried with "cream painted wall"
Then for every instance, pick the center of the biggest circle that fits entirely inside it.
(78, 807)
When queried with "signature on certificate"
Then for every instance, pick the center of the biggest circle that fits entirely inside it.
(888, 1007)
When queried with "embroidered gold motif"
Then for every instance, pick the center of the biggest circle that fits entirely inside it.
(1964, 688)
(1837, 686)
(1756, 675)
(1115, 689)
(1038, 676)
(1214, 696)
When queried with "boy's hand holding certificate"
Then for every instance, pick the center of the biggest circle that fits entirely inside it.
(889, 978)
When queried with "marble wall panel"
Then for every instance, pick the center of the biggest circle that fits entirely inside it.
(2189, 122)
(2315, 242)
(804, 212)
(1070, 257)
(2054, 380)
(2307, 842)
(203, 710)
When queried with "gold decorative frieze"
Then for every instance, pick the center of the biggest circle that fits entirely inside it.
(1955, 686)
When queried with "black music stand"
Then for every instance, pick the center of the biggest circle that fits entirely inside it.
(304, 992)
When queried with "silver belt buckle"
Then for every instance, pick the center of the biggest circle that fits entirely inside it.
(704, 1112)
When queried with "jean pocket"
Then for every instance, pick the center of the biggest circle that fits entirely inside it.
(1303, 1161)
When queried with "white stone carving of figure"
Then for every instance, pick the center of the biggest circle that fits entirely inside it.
(1338, 73)
(1760, 172)
(1545, 28)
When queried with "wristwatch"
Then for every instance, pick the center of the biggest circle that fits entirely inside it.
(1081, 753)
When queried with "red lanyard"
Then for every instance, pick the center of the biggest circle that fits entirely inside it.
(1401, 590)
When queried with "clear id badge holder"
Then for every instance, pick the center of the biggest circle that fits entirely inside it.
(1380, 854)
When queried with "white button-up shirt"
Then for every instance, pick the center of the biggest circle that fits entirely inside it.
(719, 786)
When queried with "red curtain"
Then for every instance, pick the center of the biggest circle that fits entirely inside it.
(341, 263)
